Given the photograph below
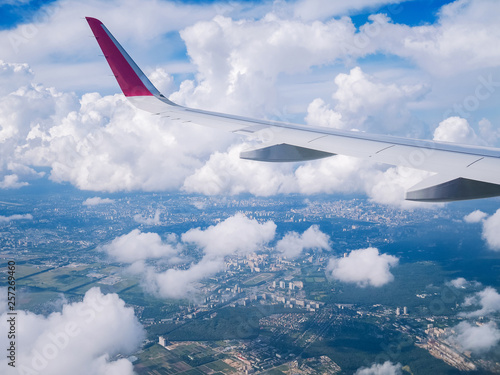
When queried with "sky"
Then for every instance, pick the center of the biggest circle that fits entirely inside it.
(423, 69)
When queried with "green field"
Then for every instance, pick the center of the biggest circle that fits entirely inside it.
(158, 360)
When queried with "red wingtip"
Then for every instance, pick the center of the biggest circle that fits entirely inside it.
(125, 70)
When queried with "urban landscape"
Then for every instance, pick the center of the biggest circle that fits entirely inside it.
(261, 312)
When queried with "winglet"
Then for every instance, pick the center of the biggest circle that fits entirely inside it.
(130, 77)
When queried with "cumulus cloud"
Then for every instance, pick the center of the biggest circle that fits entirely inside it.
(386, 368)
(491, 231)
(13, 76)
(364, 267)
(476, 338)
(293, 244)
(105, 144)
(96, 201)
(475, 217)
(7, 219)
(488, 299)
(370, 104)
(456, 129)
(137, 246)
(235, 235)
(80, 339)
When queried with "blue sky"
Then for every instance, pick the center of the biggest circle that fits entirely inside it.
(413, 12)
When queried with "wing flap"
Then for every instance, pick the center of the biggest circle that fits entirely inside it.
(442, 188)
(283, 153)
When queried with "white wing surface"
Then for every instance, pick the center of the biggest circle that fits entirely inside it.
(461, 171)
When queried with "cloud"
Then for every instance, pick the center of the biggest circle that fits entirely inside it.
(293, 244)
(148, 220)
(235, 235)
(96, 201)
(226, 173)
(476, 338)
(462, 283)
(8, 219)
(475, 217)
(386, 368)
(464, 32)
(488, 299)
(314, 9)
(105, 144)
(457, 130)
(13, 76)
(181, 283)
(364, 267)
(137, 246)
(80, 339)
(367, 103)
(491, 231)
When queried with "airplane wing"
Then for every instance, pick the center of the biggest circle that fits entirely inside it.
(461, 171)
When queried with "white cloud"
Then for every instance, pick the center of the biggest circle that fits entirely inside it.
(488, 299)
(491, 231)
(79, 340)
(462, 283)
(457, 130)
(368, 103)
(320, 114)
(364, 267)
(293, 244)
(476, 338)
(181, 283)
(13, 76)
(323, 9)
(7, 219)
(235, 235)
(459, 282)
(137, 246)
(155, 220)
(227, 173)
(475, 217)
(96, 201)
(386, 368)
(105, 144)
